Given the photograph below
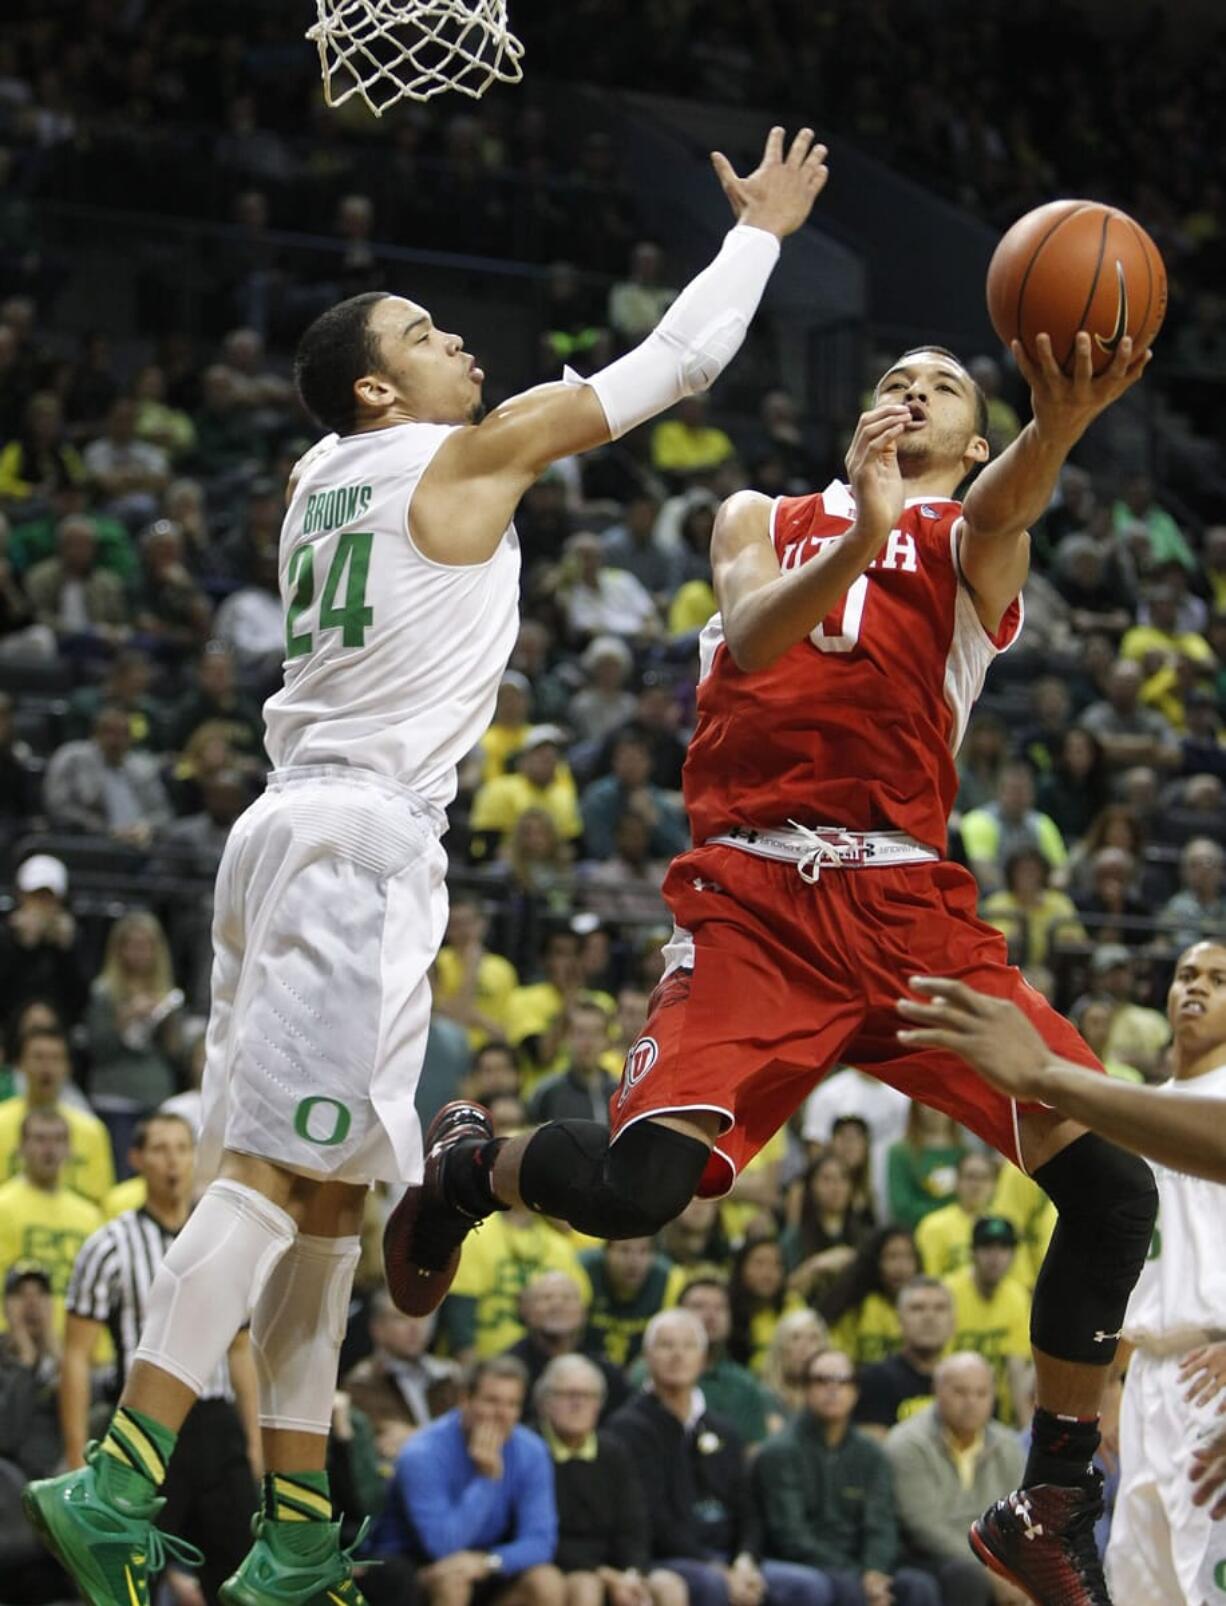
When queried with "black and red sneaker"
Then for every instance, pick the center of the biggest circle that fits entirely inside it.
(1042, 1540)
(422, 1239)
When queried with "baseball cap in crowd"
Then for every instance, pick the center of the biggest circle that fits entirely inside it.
(22, 1271)
(1108, 955)
(992, 1231)
(43, 873)
(538, 735)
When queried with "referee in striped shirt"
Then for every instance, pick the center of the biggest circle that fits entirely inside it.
(210, 1490)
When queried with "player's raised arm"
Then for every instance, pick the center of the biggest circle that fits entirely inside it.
(487, 468)
(764, 611)
(1015, 490)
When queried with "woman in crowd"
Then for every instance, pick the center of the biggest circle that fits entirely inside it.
(1076, 788)
(759, 1294)
(923, 1164)
(860, 1308)
(1031, 915)
(133, 1025)
(798, 1337)
(824, 1241)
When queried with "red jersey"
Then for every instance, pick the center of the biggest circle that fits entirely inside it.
(858, 725)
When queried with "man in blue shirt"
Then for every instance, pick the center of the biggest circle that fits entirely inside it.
(472, 1498)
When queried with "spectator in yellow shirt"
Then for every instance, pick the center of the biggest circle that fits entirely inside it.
(509, 727)
(992, 1314)
(541, 780)
(40, 1218)
(861, 1308)
(42, 1057)
(537, 1015)
(944, 1238)
(481, 1315)
(471, 985)
(686, 444)
(1028, 912)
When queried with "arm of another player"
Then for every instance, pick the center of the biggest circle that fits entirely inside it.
(1011, 493)
(996, 1039)
(485, 469)
(765, 611)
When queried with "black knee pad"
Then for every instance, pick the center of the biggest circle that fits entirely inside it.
(1108, 1203)
(629, 1189)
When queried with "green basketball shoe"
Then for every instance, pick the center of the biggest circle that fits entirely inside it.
(295, 1564)
(110, 1547)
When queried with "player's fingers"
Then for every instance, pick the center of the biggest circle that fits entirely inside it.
(1121, 359)
(773, 152)
(926, 1037)
(1137, 370)
(1025, 367)
(800, 147)
(725, 172)
(954, 992)
(1049, 368)
(1083, 360)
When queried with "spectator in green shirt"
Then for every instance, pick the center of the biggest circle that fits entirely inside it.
(824, 1491)
(922, 1166)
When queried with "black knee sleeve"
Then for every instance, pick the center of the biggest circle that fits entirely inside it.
(1108, 1203)
(629, 1189)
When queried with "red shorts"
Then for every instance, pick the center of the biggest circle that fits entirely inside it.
(773, 981)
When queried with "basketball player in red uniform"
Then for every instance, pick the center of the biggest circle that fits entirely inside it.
(854, 633)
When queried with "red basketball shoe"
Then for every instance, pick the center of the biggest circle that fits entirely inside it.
(422, 1239)
(1042, 1540)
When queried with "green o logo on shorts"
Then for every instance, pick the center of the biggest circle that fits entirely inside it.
(1219, 1575)
(315, 1116)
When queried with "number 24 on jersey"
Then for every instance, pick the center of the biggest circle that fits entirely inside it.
(347, 578)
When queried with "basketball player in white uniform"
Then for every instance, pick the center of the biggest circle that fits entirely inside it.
(399, 574)
(1168, 1536)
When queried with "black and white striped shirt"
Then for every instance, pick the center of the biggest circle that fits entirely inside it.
(110, 1283)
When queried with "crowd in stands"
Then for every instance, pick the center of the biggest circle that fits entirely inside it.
(801, 1393)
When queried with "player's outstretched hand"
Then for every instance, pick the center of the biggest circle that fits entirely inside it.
(872, 468)
(779, 194)
(990, 1034)
(1065, 405)
(1208, 1475)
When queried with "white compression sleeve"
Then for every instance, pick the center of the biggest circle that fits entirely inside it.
(212, 1275)
(697, 337)
(297, 1328)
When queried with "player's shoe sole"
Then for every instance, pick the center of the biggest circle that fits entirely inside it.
(424, 1233)
(1041, 1540)
(109, 1554)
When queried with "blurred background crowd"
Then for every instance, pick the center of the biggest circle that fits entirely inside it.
(145, 441)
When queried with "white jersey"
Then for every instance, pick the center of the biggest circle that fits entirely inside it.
(1183, 1284)
(392, 660)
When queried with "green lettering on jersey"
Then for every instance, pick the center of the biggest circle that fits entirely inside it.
(338, 504)
(1155, 1244)
(302, 594)
(351, 616)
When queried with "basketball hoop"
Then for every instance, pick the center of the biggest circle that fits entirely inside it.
(388, 50)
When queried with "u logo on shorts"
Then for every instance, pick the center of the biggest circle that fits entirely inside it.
(307, 1126)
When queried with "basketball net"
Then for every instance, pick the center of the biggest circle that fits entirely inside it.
(388, 50)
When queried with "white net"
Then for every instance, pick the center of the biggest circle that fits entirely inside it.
(388, 50)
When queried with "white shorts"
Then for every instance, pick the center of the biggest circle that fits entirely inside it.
(331, 905)
(1163, 1550)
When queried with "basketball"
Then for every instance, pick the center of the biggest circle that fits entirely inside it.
(1075, 265)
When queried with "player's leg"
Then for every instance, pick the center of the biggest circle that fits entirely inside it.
(297, 1328)
(738, 1031)
(1139, 1564)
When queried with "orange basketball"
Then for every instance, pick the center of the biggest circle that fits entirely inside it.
(1075, 265)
